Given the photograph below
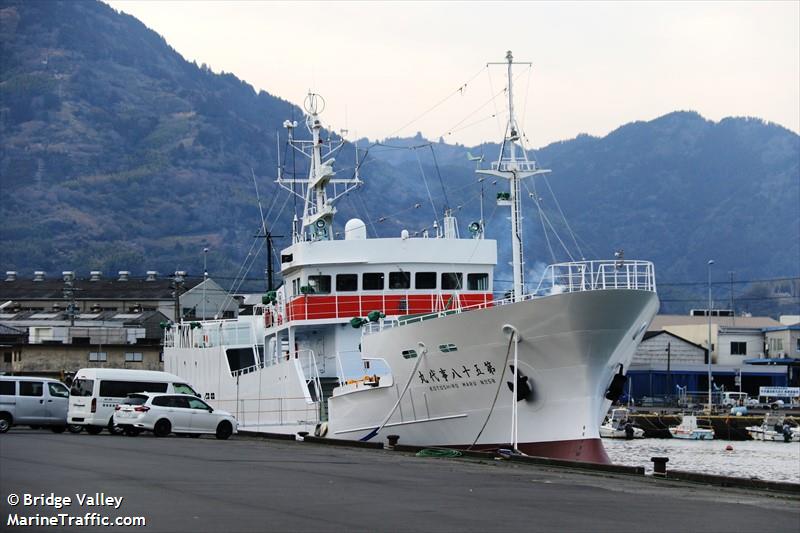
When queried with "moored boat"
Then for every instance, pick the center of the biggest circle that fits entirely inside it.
(774, 428)
(688, 429)
(619, 426)
(370, 337)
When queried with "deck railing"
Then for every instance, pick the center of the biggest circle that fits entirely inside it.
(580, 276)
(559, 278)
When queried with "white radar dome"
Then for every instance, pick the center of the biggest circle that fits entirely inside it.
(355, 230)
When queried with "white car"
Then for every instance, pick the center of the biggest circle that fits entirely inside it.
(182, 414)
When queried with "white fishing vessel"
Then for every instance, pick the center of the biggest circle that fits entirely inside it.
(688, 429)
(370, 337)
(619, 426)
(774, 428)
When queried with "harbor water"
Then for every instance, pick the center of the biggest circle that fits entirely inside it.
(772, 461)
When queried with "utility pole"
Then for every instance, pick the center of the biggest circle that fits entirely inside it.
(733, 309)
(270, 246)
(669, 371)
(205, 278)
(708, 312)
(177, 284)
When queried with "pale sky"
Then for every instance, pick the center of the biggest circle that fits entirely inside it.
(596, 65)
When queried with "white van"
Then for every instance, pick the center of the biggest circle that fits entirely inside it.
(33, 401)
(96, 392)
(734, 399)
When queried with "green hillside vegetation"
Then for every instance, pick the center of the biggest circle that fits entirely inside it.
(117, 154)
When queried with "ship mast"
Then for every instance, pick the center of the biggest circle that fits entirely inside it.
(514, 167)
(318, 210)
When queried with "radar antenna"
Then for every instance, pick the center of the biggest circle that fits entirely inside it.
(318, 210)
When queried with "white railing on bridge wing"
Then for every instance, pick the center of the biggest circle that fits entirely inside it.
(210, 333)
(505, 165)
(580, 276)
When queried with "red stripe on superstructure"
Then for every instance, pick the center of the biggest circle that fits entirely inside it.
(320, 307)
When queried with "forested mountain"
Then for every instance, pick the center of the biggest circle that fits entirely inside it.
(117, 154)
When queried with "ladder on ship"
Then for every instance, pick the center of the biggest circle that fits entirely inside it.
(327, 385)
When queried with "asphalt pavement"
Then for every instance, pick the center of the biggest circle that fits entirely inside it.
(250, 484)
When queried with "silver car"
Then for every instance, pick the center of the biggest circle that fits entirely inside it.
(164, 413)
(33, 401)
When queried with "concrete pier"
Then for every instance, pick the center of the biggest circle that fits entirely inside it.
(254, 484)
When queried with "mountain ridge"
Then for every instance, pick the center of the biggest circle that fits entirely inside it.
(118, 154)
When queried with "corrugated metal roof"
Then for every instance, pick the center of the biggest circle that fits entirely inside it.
(662, 321)
(650, 334)
(106, 289)
(8, 330)
(104, 316)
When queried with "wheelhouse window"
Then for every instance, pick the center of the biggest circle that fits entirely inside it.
(451, 281)
(399, 280)
(346, 282)
(478, 282)
(372, 281)
(320, 284)
(425, 280)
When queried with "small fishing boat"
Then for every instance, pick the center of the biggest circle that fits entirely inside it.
(688, 429)
(618, 426)
(774, 428)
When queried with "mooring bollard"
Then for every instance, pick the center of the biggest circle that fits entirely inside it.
(392, 441)
(660, 466)
(301, 436)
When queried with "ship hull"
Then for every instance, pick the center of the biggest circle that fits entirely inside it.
(568, 347)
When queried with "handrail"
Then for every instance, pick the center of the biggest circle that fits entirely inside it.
(558, 278)
(577, 276)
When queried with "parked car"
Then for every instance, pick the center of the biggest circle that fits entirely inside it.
(182, 414)
(777, 404)
(33, 401)
(96, 391)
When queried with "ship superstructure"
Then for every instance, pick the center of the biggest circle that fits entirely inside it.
(375, 336)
